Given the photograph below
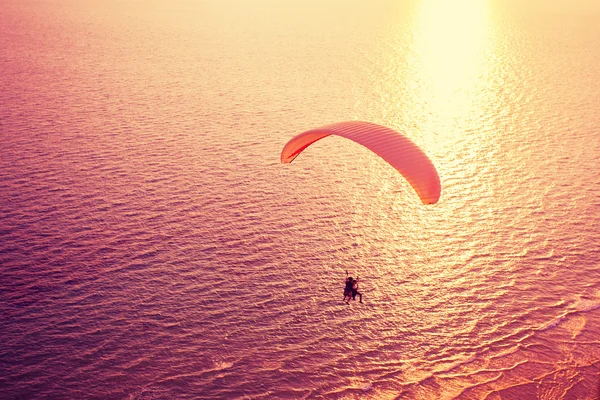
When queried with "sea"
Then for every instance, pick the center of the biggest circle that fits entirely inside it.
(153, 246)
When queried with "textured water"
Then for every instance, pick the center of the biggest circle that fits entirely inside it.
(152, 246)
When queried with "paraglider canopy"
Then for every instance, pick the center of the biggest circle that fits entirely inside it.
(399, 151)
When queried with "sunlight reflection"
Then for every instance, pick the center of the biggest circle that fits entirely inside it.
(449, 64)
(449, 46)
(451, 56)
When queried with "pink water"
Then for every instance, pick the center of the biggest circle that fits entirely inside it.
(152, 245)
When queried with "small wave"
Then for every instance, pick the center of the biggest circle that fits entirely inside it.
(579, 307)
(554, 323)
(218, 366)
(356, 386)
(454, 364)
(587, 306)
(506, 352)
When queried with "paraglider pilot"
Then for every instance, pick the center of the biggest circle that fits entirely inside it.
(351, 289)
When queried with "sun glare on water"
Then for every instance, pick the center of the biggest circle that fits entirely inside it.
(449, 49)
(449, 59)
(449, 43)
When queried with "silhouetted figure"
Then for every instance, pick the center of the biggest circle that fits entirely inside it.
(355, 291)
(348, 288)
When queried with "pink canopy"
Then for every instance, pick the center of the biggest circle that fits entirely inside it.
(396, 149)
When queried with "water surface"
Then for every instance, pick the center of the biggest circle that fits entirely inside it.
(152, 246)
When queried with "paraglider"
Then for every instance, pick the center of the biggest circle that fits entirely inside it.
(399, 151)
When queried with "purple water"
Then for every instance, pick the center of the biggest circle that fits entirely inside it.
(152, 245)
